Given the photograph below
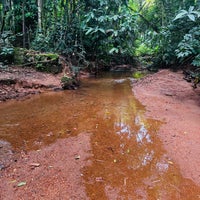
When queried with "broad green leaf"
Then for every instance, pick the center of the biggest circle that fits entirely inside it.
(191, 17)
(114, 50)
(180, 15)
(191, 9)
(101, 30)
(109, 30)
(197, 13)
(89, 31)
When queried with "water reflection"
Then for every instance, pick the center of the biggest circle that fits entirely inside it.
(123, 129)
(143, 132)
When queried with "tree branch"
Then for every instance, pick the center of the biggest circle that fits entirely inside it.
(155, 28)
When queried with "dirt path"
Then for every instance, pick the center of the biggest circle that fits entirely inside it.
(171, 99)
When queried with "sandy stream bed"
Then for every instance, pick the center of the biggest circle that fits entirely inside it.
(167, 97)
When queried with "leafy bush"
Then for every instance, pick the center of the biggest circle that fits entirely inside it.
(109, 30)
(190, 45)
(6, 47)
(143, 50)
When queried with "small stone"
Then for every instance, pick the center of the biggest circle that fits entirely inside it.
(77, 157)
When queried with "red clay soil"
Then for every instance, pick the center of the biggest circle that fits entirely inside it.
(18, 83)
(55, 172)
(169, 98)
(51, 173)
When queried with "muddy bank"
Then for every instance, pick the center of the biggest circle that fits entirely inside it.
(18, 83)
(73, 144)
(169, 98)
(50, 173)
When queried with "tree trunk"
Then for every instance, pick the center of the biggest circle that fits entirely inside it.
(23, 24)
(13, 16)
(39, 16)
(5, 10)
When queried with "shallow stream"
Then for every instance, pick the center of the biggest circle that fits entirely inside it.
(128, 160)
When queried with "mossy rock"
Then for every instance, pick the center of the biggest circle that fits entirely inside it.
(69, 83)
(19, 56)
(50, 56)
(45, 62)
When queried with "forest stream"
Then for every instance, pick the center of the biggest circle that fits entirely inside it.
(115, 148)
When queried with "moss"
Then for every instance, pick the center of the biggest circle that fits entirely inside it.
(50, 56)
(18, 56)
(138, 75)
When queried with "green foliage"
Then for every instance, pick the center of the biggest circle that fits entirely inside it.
(191, 14)
(143, 50)
(196, 61)
(6, 47)
(41, 43)
(190, 45)
(110, 29)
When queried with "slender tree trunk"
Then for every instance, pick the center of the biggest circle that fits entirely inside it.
(67, 12)
(5, 10)
(13, 16)
(3, 21)
(39, 16)
(23, 25)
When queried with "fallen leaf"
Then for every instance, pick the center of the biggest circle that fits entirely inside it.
(170, 162)
(13, 181)
(21, 184)
(77, 157)
(35, 164)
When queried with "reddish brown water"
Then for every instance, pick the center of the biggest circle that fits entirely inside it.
(127, 158)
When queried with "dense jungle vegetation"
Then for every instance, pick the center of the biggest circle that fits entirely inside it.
(158, 32)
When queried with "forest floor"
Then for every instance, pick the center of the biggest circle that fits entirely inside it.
(18, 83)
(167, 97)
(171, 99)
